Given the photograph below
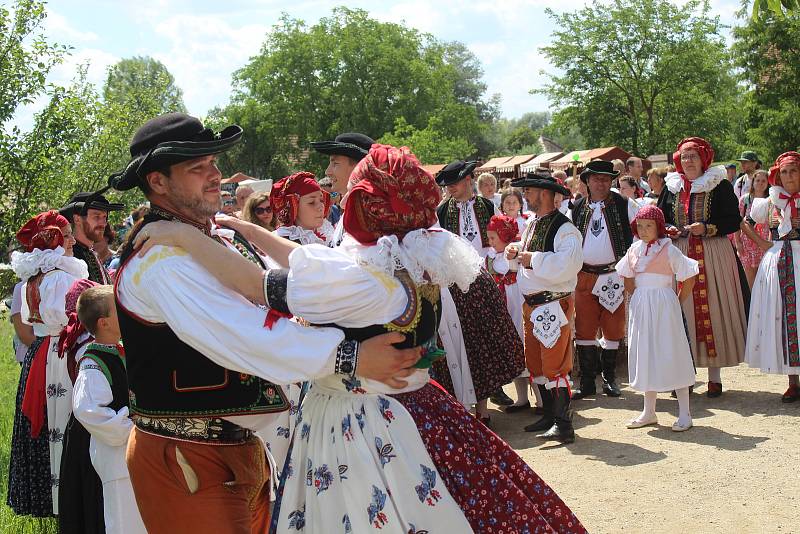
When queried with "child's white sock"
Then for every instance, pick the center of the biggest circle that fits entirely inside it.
(538, 395)
(521, 385)
(715, 375)
(684, 416)
(649, 411)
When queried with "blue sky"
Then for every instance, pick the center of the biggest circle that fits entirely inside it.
(203, 42)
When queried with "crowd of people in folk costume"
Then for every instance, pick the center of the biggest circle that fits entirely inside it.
(309, 362)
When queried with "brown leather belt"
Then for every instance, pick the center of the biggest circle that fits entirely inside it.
(543, 297)
(211, 431)
(598, 269)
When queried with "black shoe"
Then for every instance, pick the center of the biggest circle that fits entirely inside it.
(500, 398)
(714, 390)
(611, 389)
(520, 408)
(561, 430)
(608, 358)
(584, 392)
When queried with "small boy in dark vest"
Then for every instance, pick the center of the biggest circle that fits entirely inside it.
(100, 403)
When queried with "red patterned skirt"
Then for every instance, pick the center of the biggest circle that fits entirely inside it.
(497, 491)
(494, 349)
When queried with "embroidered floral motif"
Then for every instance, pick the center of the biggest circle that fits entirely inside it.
(347, 431)
(305, 432)
(425, 490)
(297, 519)
(413, 530)
(283, 432)
(384, 451)
(55, 435)
(323, 478)
(348, 528)
(342, 470)
(353, 385)
(383, 405)
(360, 418)
(56, 390)
(375, 509)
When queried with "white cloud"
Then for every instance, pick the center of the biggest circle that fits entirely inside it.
(58, 28)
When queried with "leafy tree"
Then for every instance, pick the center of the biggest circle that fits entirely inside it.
(348, 72)
(643, 90)
(766, 50)
(145, 84)
(522, 137)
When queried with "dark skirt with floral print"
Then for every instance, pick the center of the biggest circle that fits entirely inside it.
(29, 481)
(497, 491)
(494, 349)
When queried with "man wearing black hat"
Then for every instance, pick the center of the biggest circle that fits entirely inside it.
(550, 256)
(464, 213)
(344, 154)
(750, 164)
(88, 213)
(202, 366)
(603, 218)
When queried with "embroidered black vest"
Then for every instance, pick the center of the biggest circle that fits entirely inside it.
(168, 378)
(112, 365)
(617, 222)
(541, 234)
(97, 273)
(448, 214)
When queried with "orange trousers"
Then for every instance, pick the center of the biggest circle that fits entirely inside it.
(194, 488)
(555, 361)
(591, 315)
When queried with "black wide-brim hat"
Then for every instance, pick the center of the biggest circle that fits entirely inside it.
(598, 167)
(169, 139)
(82, 202)
(540, 181)
(353, 145)
(455, 172)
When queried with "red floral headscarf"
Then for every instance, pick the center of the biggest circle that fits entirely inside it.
(43, 231)
(285, 196)
(651, 213)
(390, 194)
(505, 226)
(787, 158)
(69, 334)
(701, 146)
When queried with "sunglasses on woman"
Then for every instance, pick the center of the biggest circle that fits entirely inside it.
(262, 211)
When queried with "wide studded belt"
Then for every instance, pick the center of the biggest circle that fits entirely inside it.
(543, 297)
(211, 431)
(598, 269)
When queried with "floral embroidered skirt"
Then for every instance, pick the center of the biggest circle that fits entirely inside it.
(496, 489)
(357, 464)
(29, 481)
(494, 349)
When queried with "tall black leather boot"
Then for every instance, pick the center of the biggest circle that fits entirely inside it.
(609, 361)
(587, 356)
(547, 406)
(562, 430)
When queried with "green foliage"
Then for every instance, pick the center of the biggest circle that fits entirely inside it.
(766, 51)
(642, 74)
(775, 8)
(350, 72)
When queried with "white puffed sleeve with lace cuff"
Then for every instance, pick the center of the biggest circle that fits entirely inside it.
(683, 266)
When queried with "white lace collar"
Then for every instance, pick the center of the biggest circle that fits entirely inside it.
(308, 237)
(430, 256)
(27, 264)
(706, 182)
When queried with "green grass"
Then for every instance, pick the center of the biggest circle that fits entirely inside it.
(9, 377)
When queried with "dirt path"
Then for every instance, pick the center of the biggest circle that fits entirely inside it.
(736, 471)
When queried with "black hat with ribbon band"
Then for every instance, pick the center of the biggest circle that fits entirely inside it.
(540, 181)
(598, 167)
(353, 145)
(169, 139)
(82, 202)
(455, 172)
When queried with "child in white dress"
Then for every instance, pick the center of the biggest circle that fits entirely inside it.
(659, 358)
(501, 231)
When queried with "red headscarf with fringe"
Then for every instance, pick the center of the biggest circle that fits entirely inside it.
(505, 226)
(390, 194)
(43, 231)
(787, 158)
(706, 153)
(285, 196)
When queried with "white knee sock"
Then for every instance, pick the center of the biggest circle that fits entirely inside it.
(521, 385)
(481, 409)
(649, 406)
(715, 375)
(538, 395)
(684, 415)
